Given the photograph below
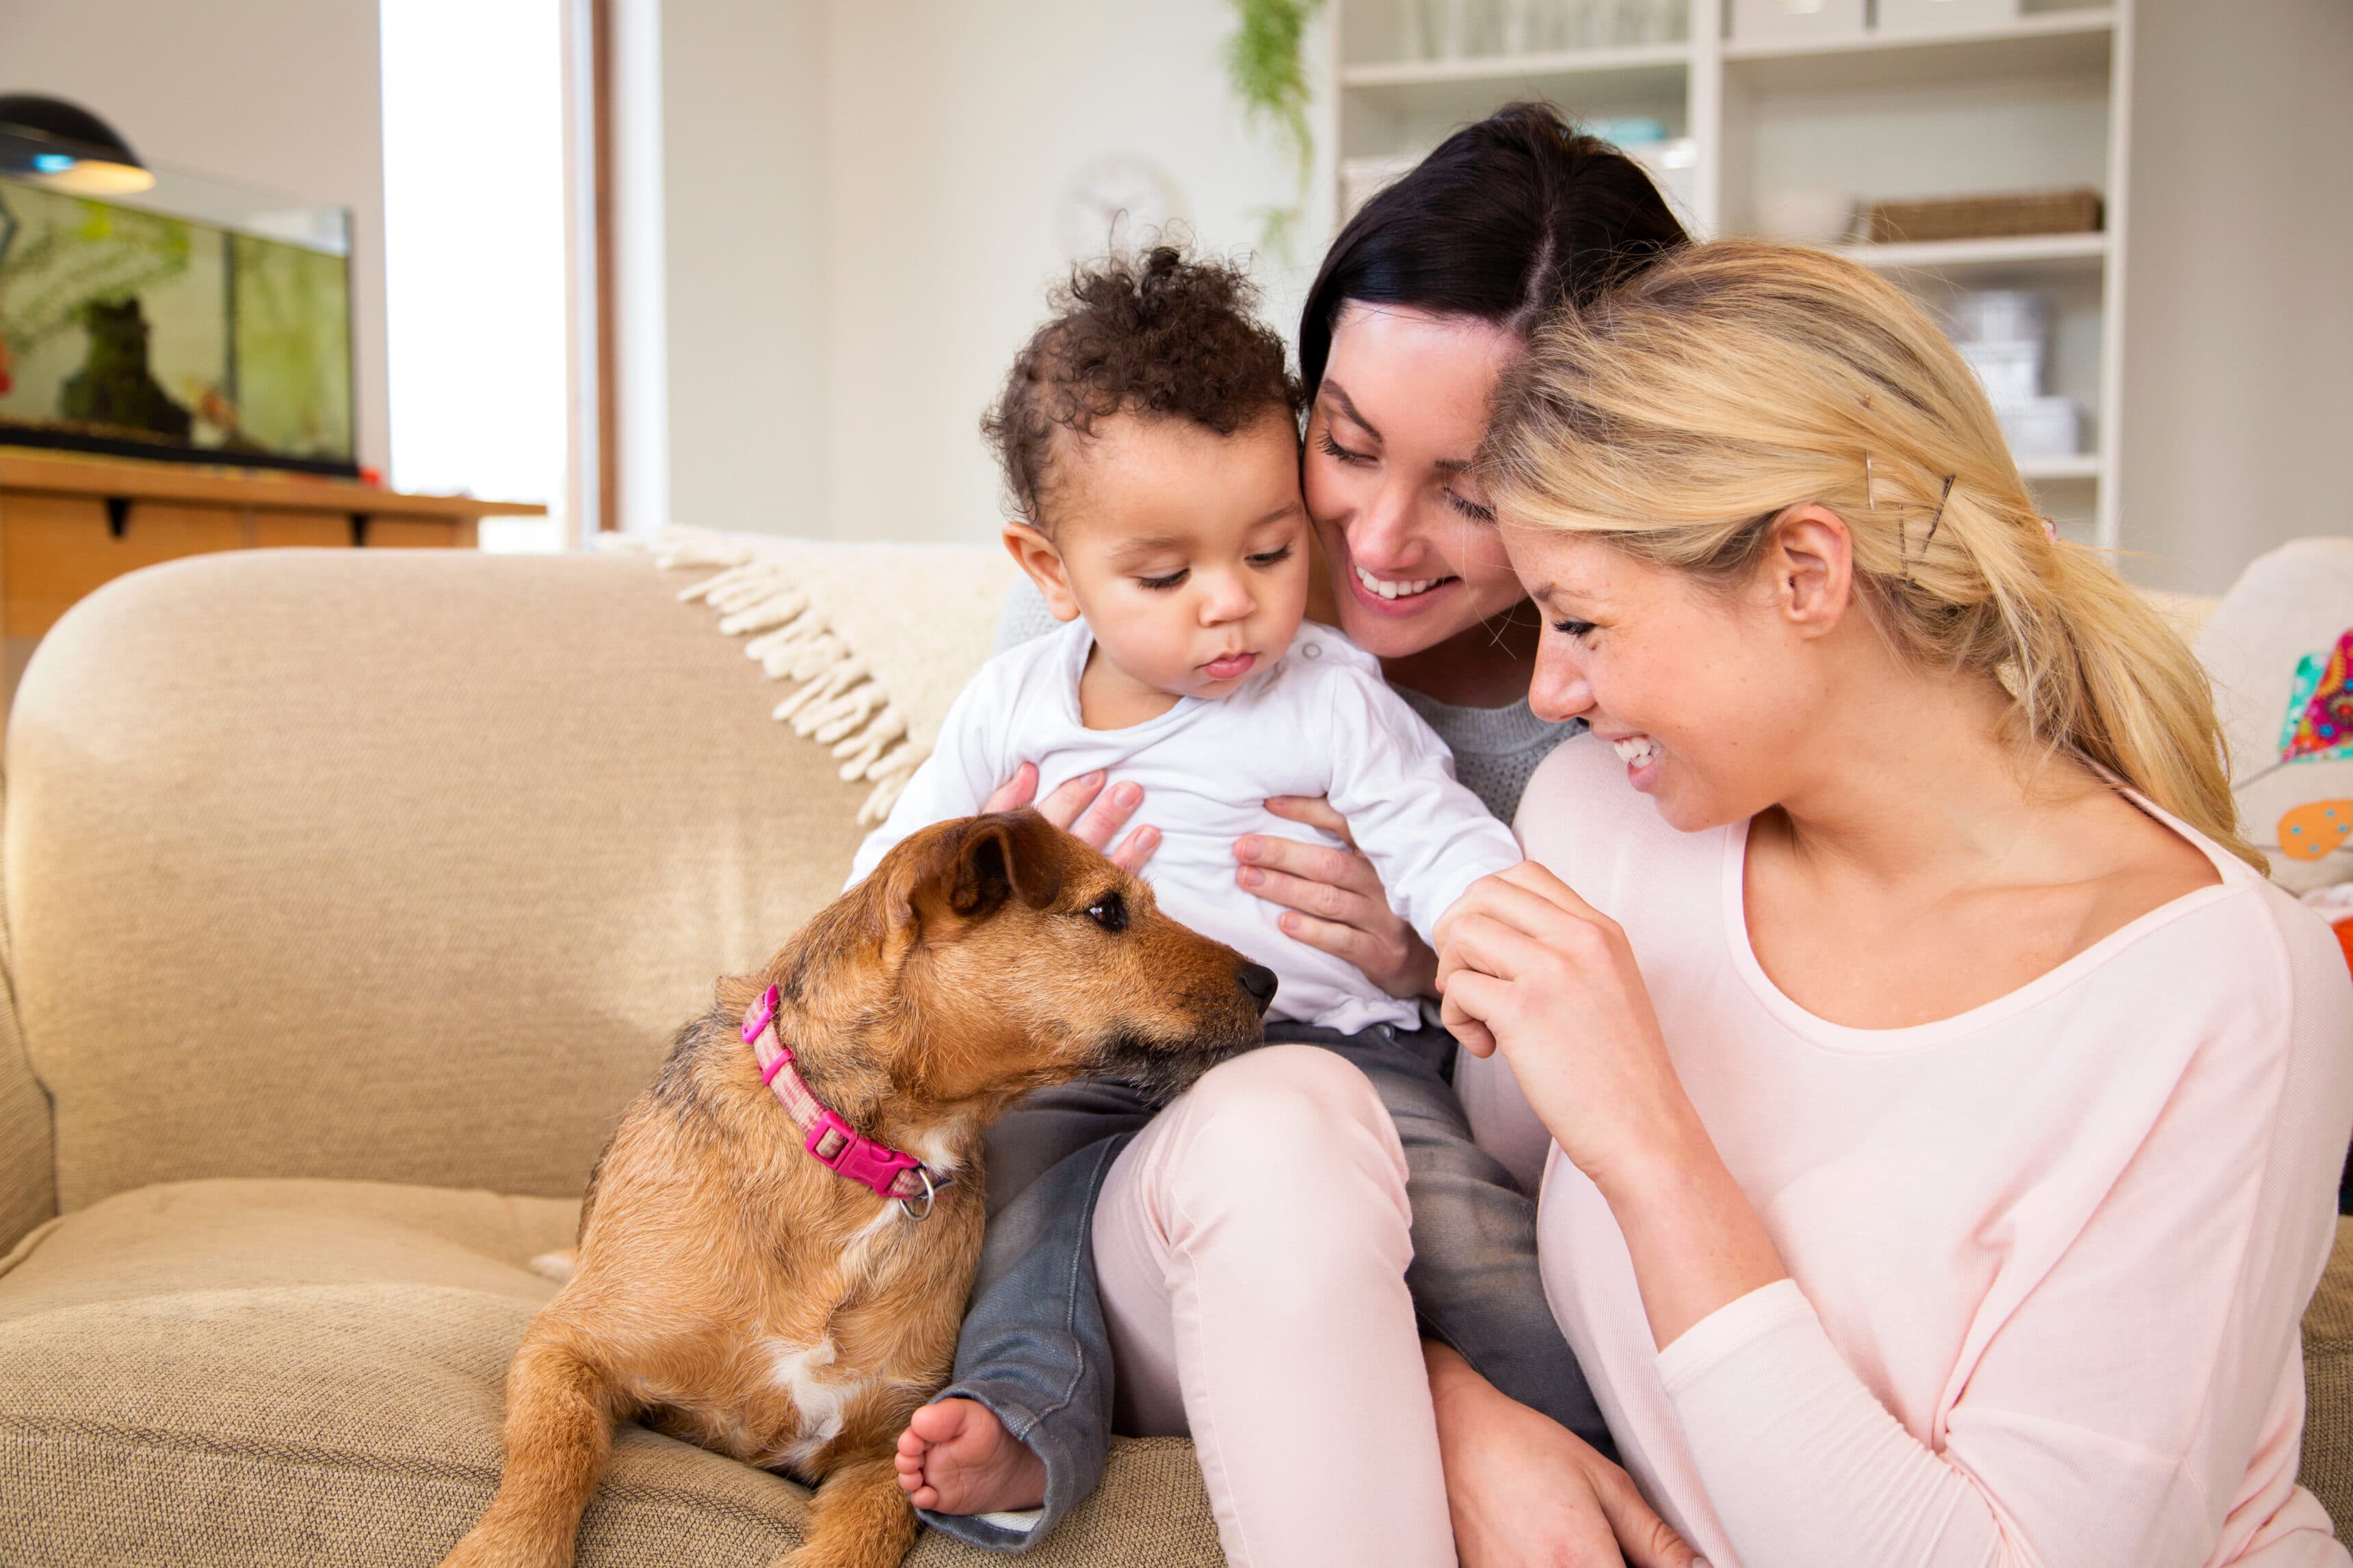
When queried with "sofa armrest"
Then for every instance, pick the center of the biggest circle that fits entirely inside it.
(28, 1184)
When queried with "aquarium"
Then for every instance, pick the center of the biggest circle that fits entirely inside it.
(200, 321)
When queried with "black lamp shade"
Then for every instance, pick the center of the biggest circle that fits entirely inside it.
(55, 143)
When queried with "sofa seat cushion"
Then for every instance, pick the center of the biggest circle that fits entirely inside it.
(309, 1371)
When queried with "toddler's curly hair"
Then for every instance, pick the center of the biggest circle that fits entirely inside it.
(1159, 333)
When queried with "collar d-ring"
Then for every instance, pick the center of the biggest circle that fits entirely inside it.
(931, 1197)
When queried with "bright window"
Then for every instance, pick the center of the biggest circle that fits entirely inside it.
(474, 249)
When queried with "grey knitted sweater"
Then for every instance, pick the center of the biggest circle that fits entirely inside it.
(1495, 749)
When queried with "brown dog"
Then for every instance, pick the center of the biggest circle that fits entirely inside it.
(732, 1289)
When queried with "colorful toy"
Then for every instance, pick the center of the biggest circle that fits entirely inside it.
(2307, 832)
(2319, 706)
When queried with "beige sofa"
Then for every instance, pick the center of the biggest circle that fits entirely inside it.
(348, 898)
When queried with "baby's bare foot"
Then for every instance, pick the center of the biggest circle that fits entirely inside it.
(955, 1456)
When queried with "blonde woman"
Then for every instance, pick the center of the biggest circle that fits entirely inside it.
(1947, 1110)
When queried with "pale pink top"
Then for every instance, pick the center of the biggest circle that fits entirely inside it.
(2047, 1258)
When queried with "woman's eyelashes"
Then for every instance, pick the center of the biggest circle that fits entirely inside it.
(1471, 508)
(1331, 448)
(1572, 628)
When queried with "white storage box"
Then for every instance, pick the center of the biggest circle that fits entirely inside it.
(1990, 313)
(2045, 427)
(1755, 20)
(1916, 17)
(2010, 369)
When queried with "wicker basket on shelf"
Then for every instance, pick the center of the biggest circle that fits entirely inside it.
(1985, 218)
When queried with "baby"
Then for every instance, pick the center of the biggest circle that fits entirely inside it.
(1151, 441)
(1174, 543)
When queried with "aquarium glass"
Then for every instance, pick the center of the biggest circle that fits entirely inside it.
(138, 331)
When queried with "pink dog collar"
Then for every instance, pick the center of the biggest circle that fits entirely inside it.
(835, 1144)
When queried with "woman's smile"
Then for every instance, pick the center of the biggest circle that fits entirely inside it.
(1642, 756)
(1391, 589)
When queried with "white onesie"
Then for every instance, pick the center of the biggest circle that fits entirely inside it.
(1318, 720)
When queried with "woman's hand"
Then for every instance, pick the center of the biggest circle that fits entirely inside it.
(1528, 967)
(1336, 899)
(1085, 808)
(1525, 1492)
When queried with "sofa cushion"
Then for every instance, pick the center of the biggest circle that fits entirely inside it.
(258, 1373)
(2328, 1468)
(29, 1190)
(389, 864)
(2274, 651)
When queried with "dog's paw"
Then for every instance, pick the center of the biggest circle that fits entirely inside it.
(555, 1266)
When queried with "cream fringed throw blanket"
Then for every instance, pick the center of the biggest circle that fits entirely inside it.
(880, 636)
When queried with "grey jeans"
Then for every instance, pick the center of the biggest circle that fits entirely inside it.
(1034, 1348)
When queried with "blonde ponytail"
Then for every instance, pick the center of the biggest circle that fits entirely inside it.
(1731, 381)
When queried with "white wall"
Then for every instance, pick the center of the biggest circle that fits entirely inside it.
(284, 94)
(863, 201)
(2238, 421)
(745, 173)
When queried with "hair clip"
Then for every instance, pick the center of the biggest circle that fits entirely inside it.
(1903, 534)
(1943, 496)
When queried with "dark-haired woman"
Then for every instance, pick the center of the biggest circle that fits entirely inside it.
(1254, 1240)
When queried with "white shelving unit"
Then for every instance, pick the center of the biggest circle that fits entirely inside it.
(2041, 103)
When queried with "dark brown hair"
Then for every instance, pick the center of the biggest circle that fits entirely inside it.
(1162, 334)
(1508, 218)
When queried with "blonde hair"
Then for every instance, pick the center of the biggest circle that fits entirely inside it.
(1681, 415)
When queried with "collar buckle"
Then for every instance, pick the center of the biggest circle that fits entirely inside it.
(829, 1139)
(847, 1152)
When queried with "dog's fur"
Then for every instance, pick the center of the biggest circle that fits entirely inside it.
(732, 1291)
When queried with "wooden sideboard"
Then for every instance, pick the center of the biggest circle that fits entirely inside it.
(70, 523)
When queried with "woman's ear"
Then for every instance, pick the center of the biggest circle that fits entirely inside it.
(1034, 554)
(1812, 563)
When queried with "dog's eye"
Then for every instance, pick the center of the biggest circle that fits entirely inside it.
(1110, 911)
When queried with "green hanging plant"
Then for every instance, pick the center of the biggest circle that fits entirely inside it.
(1265, 67)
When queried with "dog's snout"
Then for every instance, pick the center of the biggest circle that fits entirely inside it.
(1260, 982)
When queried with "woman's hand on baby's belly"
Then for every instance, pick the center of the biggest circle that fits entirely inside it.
(1334, 900)
(1088, 810)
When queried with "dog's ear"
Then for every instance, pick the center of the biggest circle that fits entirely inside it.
(966, 870)
(1009, 855)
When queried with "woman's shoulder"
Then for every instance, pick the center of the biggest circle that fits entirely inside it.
(2290, 965)
(1578, 805)
(2231, 932)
